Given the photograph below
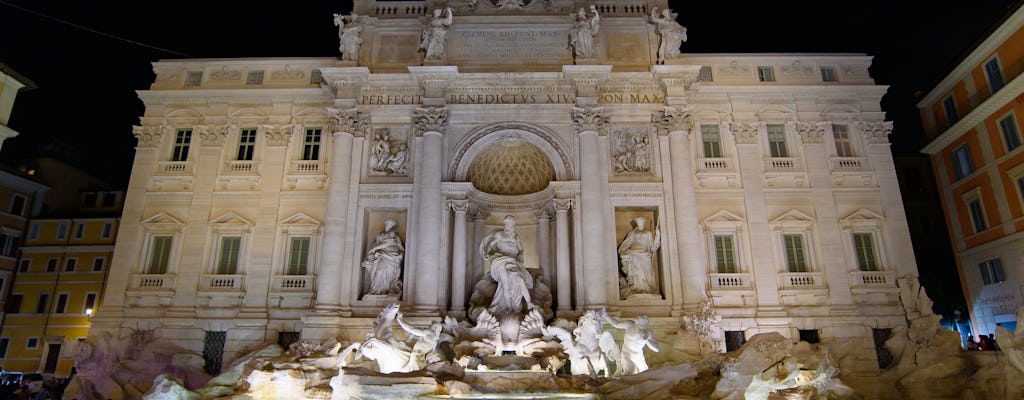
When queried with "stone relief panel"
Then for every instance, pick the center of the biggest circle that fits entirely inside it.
(631, 151)
(389, 152)
(383, 259)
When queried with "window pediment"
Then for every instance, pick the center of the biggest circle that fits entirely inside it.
(723, 220)
(231, 222)
(862, 218)
(300, 223)
(163, 222)
(792, 219)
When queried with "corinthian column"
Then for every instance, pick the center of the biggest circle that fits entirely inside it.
(458, 280)
(563, 283)
(344, 124)
(677, 123)
(431, 123)
(588, 122)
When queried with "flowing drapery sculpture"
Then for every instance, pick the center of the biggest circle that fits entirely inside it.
(435, 36)
(672, 34)
(637, 256)
(384, 261)
(584, 30)
(348, 37)
(503, 251)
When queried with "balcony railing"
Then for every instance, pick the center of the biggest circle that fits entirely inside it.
(153, 281)
(242, 168)
(782, 164)
(847, 163)
(177, 168)
(715, 165)
(873, 278)
(223, 282)
(801, 280)
(386, 9)
(295, 283)
(307, 167)
(730, 281)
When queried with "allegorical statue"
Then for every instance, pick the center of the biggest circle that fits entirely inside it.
(348, 37)
(631, 358)
(435, 35)
(637, 256)
(423, 352)
(384, 261)
(503, 251)
(672, 34)
(584, 30)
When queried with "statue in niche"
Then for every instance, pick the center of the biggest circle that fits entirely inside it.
(632, 154)
(584, 30)
(638, 335)
(503, 251)
(637, 256)
(388, 155)
(435, 35)
(384, 261)
(348, 37)
(672, 34)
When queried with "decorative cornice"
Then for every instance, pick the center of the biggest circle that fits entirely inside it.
(350, 121)
(430, 119)
(877, 132)
(211, 135)
(672, 120)
(811, 132)
(1009, 92)
(589, 119)
(745, 132)
(149, 136)
(277, 135)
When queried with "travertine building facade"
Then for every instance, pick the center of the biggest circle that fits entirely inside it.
(259, 185)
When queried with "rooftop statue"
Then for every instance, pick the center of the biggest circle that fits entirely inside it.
(583, 32)
(672, 34)
(348, 37)
(435, 35)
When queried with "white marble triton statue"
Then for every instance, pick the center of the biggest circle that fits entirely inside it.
(584, 30)
(637, 255)
(672, 34)
(384, 261)
(423, 352)
(638, 335)
(503, 251)
(348, 37)
(435, 35)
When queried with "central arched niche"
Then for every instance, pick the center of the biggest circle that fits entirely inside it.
(511, 166)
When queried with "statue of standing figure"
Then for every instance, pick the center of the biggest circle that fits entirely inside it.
(348, 37)
(503, 251)
(638, 335)
(584, 30)
(637, 256)
(384, 261)
(672, 34)
(435, 35)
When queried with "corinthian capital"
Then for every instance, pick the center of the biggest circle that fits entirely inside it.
(351, 120)
(277, 135)
(672, 119)
(211, 135)
(589, 119)
(561, 204)
(876, 131)
(149, 136)
(430, 119)
(745, 132)
(811, 132)
(458, 205)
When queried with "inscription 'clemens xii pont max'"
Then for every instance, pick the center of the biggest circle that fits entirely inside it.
(508, 45)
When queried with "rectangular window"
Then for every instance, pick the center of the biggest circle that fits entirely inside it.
(298, 256)
(108, 229)
(765, 74)
(24, 264)
(828, 74)
(864, 246)
(51, 265)
(90, 301)
(89, 199)
(62, 303)
(9, 245)
(992, 271)
(182, 141)
(79, 230)
(18, 205)
(159, 255)
(705, 74)
(32, 343)
(949, 104)
(14, 303)
(70, 264)
(62, 231)
(841, 134)
(796, 260)
(213, 351)
(246, 144)
(254, 78)
(977, 215)
(194, 78)
(712, 141)
(995, 75)
(97, 263)
(315, 77)
(725, 254)
(962, 163)
(1011, 135)
(33, 233)
(43, 304)
(311, 144)
(4, 343)
(777, 140)
(227, 262)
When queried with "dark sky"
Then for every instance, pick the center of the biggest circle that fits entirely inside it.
(87, 81)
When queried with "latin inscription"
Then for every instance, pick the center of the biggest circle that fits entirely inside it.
(527, 98)
(390, 99)
(622, 98)
(508, 45)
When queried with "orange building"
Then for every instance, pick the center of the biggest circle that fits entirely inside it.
(972, 119)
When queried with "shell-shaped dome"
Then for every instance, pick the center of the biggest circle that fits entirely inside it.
(511, 166)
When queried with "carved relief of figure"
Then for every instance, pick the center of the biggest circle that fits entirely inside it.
(641, 154)
(637, 255)
(503, 251)
(396, 163)
(631, 358)
(388, 155)
(348, 37)
(380, 152)
(632, 154)
(583, 32)
(384, 261)
(672, 34)
(435, 35)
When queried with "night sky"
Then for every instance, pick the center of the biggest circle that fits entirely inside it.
(86, 80)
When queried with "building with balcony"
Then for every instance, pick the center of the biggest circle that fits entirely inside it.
(11, 82)
(971, 120)
(259, 185)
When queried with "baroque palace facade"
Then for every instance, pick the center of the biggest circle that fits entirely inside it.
(260, 186)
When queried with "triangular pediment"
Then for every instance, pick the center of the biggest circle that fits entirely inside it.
(162, 218)
(300, 218)
(862, 215)
(230, 219)
(723, 216)
(793, 216)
